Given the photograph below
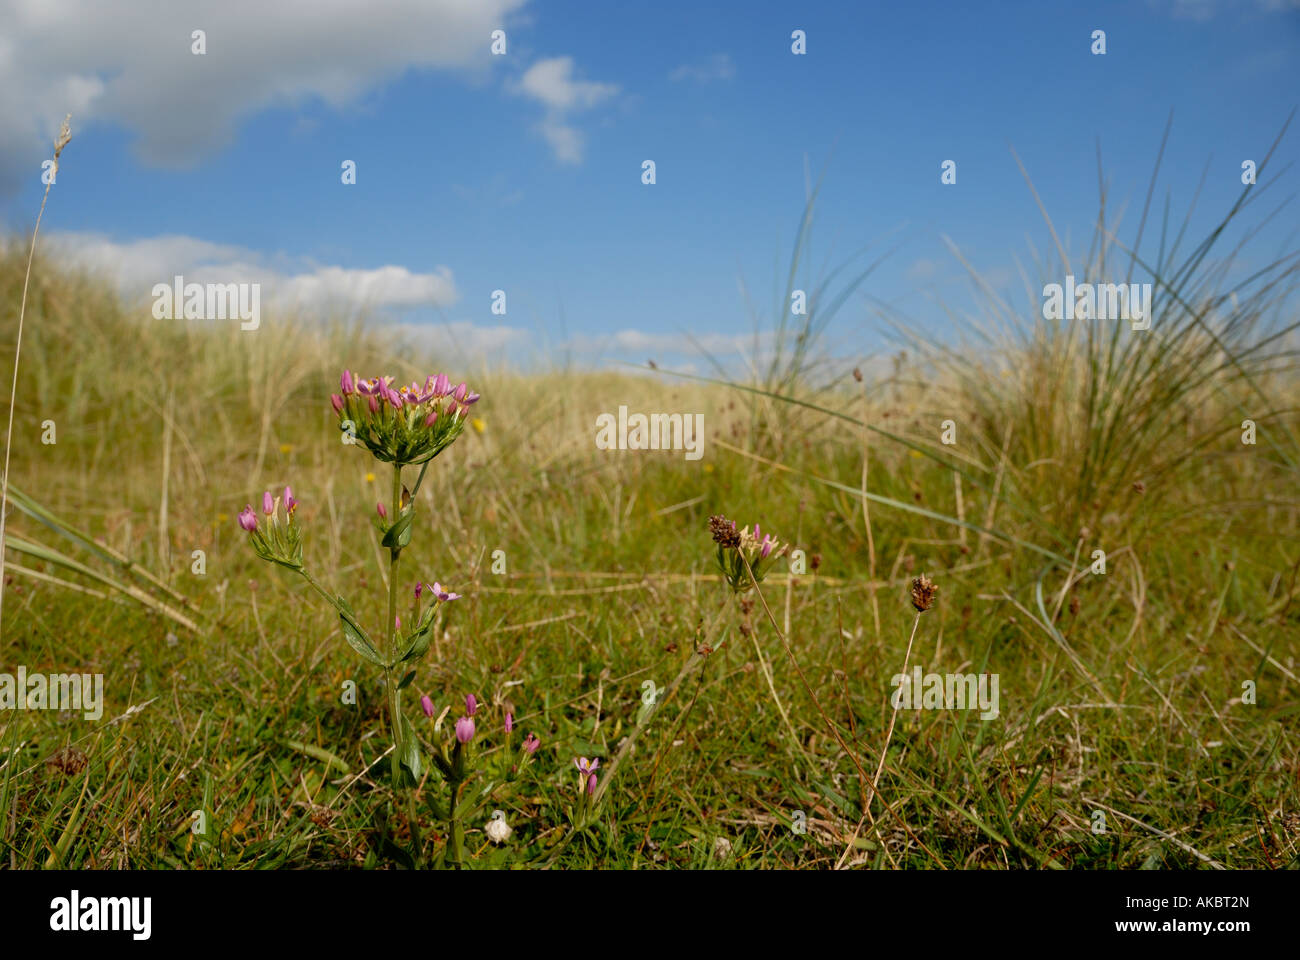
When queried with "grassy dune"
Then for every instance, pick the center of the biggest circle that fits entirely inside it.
(1120, 694)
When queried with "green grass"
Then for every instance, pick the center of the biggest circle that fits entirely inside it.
(1119, 693)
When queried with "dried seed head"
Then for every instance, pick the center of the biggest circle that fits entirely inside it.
(724, 531)
(65, 134)
(923, 591)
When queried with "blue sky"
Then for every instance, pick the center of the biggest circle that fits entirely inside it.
(522, 172)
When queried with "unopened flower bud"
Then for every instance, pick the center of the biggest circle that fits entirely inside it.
(464, 729)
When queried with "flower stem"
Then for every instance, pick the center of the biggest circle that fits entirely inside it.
(396, 553)
(413, 815)
(454, 827)
(394, 695)
(894, 716)
(832, 727)
(795, 663)
(332, 601)
(420, 479)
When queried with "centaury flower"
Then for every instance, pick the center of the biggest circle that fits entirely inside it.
(738, 547)
(279, 542)
(405, 424)
(444, 596)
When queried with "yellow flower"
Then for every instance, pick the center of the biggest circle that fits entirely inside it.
(708, 468)
(222, 518)
(478, 424)
(285, 448)
(370, 478)
(914, 453)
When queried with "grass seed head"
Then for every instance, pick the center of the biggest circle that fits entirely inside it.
(724, 532)
(923, 591)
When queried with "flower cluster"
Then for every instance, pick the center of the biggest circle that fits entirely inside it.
(409, 424)
(739, 547)
(277, 542)
(465, 729)
(460, 765)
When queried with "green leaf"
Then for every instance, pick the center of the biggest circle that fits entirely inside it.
(406, 681)
(419, 639)
(467, 806)
(318, 753)
(418, 642)
(441, 763)
(357, 641)
(399, 534)
(436, 806)
(408, 751)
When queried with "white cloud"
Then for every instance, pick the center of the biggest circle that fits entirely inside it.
(716, 67)
(472, 342)
(385, 286)
(566, 141)
(463, 338)
(551, 83)
(132, 64)
(135, 266)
